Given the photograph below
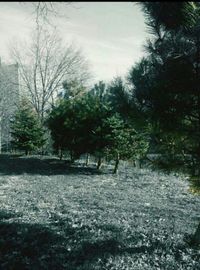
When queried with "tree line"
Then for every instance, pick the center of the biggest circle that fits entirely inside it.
(160, 97)
(95, 122)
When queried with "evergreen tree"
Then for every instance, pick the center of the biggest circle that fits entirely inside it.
(118, 97)
(166, 82)
(73, 88)
(76, 125)
(90, 124)
(27, 132)
(124, 142)
(99, 90)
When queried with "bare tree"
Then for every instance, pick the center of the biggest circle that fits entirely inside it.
(43, 12)
(9, 93)
(45, 64)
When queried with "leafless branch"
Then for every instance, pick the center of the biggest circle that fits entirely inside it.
(45, 64)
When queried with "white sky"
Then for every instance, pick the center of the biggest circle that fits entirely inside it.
(110, 34)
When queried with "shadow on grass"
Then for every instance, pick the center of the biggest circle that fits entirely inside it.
(10, 165)
(34, 246)
(59, 246)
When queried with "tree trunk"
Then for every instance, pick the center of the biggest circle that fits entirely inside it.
(26, 152)
(87, 159)
(99, 163)
(0, 137)
(42, 150)
(116, 165)
(197, 172)
(60, 154)
(196, 237)
(137, 164)
(72, 157)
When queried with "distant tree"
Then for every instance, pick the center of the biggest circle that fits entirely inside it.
(45, 64)
(44, 11)
(99, 90)
(73, 88)
(118, 97)
(27, 132)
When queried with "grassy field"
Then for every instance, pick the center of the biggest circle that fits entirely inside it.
(56, 217)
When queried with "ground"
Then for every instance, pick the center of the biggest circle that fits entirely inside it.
(56, 217)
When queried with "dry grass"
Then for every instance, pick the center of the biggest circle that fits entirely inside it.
(56, 217)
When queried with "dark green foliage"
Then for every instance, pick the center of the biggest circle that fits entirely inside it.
(118, 97)
(164, 91)
(27, 132)
(89, 124)
(124, 141)
(76, 125)
(128, 126)
(169, 16)
(99, 90)
(73, 88)
(165, 83)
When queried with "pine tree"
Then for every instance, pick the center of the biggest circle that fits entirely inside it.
(27, 132)
(166, 82)
(123, 141)
(76, 125)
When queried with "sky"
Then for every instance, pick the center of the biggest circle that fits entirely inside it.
(110, 34)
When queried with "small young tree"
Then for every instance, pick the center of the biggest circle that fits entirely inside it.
(124, 141)
(27, 132)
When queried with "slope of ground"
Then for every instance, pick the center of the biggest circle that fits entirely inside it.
(56, 217)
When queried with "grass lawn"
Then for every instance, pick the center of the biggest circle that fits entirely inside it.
(56, 217)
